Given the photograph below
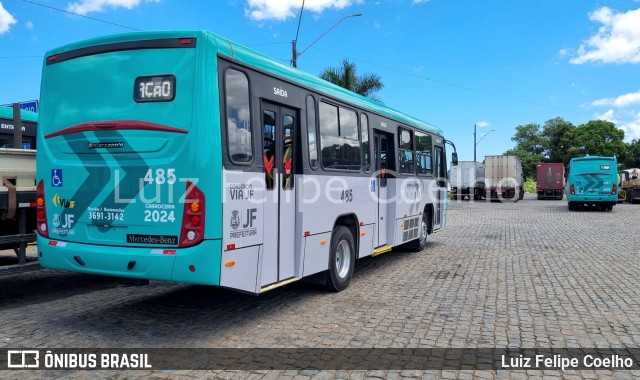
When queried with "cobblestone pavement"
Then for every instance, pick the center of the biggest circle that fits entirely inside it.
(525, 274)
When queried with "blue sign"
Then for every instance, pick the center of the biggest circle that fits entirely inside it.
(31, 105)
(56, 177)
(373, 185)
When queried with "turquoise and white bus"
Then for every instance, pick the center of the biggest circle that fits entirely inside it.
(185, 157)
(592, 181)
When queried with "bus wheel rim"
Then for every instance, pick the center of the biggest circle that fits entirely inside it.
(343, 258)
(424, 231)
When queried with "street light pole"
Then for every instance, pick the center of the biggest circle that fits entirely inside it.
(475, 144)
(294, 49)
(294, 43)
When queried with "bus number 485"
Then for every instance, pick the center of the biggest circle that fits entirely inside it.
(161, 177)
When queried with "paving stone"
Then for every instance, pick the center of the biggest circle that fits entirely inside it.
(528, 274)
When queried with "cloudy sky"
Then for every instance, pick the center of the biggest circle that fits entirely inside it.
(496, 64)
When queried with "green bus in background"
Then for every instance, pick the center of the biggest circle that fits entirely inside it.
(592, 181)
(182, 156)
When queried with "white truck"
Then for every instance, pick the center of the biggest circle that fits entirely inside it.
(467, 180)
(503, 178)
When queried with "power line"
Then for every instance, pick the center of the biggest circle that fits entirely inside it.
(463, 87)
(79, 15)
(22, 56)
(470, 89)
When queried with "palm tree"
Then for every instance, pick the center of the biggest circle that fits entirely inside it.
(345, 76)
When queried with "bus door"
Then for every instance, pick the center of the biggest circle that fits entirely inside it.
(441, 190)
(383, 158)
(278, 126)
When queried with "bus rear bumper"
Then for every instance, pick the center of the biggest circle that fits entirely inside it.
(196, 265)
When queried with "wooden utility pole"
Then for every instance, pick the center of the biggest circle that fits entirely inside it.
(17, 127)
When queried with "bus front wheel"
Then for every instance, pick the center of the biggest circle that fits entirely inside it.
(341, 259)
(421, 242)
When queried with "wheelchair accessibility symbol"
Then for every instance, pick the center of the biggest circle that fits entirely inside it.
(56, 177)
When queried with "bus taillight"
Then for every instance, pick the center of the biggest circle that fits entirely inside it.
(573, 190)
(192, 231)
(41, 211)
(614, 191)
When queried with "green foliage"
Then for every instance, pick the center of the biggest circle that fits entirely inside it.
(345, 76)
(528, 138)
(560, 141)
(557, 141)
(632, 158)
(530, 186)
(597, 138)
(529, 161)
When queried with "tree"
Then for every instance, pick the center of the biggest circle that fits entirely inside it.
(632, 158)
(556, 141)
(529, 148)
(597, 138)
(560, 141)
(529, 161)
(529, 139)
(345, 76)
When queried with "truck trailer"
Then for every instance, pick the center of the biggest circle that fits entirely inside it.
(467, 179)
(550, 180)
(503, 178)
(17, 180)
(630, 185)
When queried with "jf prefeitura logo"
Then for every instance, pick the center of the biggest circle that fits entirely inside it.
(243, 223)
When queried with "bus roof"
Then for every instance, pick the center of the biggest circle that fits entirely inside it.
(593, 158)
(260, 61)
(7, 113)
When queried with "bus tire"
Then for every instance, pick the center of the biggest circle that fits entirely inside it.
(342, 259)
(421, 242)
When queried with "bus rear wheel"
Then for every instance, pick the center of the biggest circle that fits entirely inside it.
(342, 259)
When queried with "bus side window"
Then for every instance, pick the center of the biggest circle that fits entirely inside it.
(441, 171)
(269, 145)
(405, 151)
(239, 142)
(364, 134)
(423, 154)
(339, 141)
(311, 132)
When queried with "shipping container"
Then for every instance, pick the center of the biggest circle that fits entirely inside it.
(550, 180)
(467, 179)
(503, 178)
